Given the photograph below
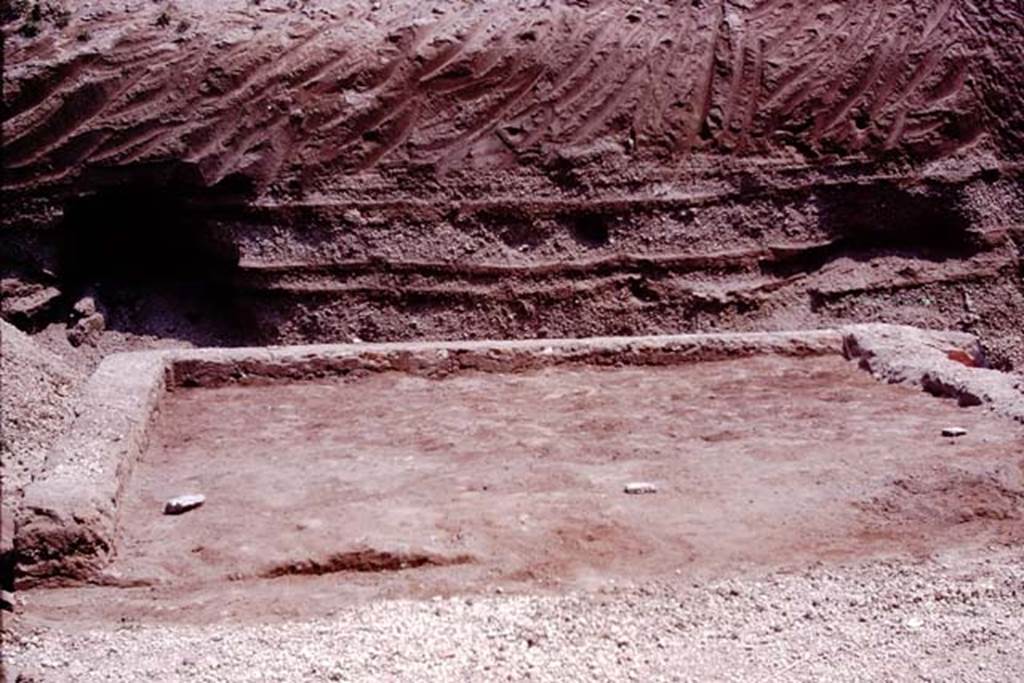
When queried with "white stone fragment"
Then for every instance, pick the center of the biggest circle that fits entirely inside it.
(913, 623)
(180, 504)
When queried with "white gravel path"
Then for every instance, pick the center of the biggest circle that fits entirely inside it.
(953, 618)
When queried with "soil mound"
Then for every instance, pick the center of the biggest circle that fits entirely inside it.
(38, 389)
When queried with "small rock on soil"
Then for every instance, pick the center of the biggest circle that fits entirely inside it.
(87, 330)
(641, 487)
(180, 504)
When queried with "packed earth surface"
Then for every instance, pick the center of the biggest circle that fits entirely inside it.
(244, 173)
(484, 481)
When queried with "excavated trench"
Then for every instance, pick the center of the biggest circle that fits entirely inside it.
(518, 480)
(282, 174)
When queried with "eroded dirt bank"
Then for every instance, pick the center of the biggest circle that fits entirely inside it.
(295, 171)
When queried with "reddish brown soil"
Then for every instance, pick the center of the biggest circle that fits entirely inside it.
(431, 170)
(278, 91)
(393, 485)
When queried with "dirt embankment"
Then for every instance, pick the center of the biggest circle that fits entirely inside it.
(328, 170)
(279, 91)
(37, 389)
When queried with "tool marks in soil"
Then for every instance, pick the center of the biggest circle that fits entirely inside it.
(257, 92)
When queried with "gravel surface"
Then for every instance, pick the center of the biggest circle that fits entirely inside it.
(40, 376)
(38, 391)
(954, 617)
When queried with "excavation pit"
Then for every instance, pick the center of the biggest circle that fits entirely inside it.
(416, 470)
(757, 460)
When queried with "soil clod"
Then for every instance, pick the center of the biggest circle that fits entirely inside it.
(87, 330)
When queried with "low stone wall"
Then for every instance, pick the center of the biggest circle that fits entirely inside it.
(213, 367)
(946, 364)
(66, 524)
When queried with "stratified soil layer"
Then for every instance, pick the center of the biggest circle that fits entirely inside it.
(319, 494)
(317, 171)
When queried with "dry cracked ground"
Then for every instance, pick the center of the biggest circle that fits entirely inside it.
(187, 173)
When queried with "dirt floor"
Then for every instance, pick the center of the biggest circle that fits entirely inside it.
(516, 482)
